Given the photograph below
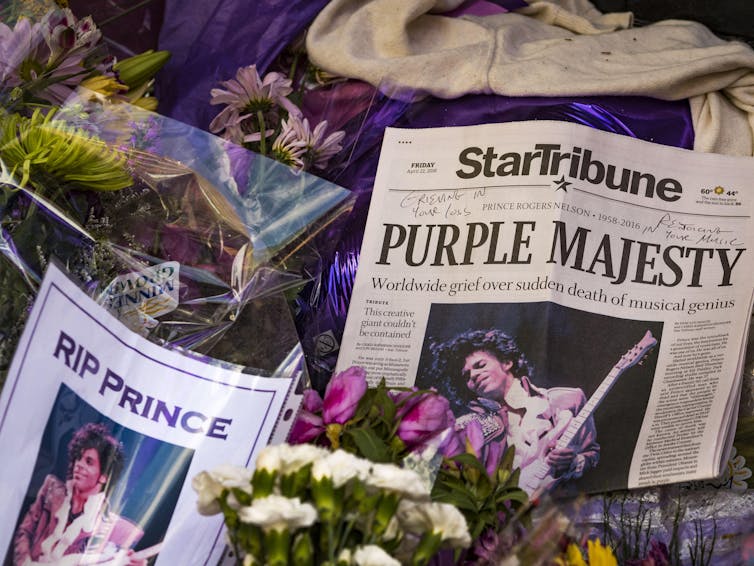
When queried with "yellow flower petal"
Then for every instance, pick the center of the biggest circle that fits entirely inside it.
(600, 555)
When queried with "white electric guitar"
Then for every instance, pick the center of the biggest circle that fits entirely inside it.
(538, 475)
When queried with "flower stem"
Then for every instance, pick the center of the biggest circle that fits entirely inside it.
(262, 133)
(124, 12)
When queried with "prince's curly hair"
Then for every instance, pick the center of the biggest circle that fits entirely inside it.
(449, 357)
(109, 450)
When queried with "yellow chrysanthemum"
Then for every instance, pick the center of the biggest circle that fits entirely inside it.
(573, 556)
(600, 555)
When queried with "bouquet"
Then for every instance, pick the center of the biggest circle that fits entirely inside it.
(188, 239)
(307, 505)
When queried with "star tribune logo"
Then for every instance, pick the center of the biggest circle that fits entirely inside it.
(562, 184)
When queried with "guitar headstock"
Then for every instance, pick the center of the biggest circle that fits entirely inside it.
(635, 354)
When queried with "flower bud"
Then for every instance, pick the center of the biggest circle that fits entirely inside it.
(342, 395)
(425, 419)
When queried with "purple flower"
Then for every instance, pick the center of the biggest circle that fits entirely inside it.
(426, 416)
(49, 58)
(486, 546)
(246, 95)
(289, 147)
(471, 440)
(308, 424)
(342, 395)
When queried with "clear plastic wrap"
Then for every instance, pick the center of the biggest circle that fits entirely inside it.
(200, 245)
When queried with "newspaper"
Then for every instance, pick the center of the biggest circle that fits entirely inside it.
(618, 271)
(102, 431)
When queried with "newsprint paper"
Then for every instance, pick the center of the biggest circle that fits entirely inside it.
(80, 385)
(608, 281)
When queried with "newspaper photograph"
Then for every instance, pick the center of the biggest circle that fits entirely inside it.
(107, 430)
(583, 296)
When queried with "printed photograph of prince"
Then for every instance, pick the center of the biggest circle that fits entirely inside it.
(491, 381)
(71, 519)
(557, 349)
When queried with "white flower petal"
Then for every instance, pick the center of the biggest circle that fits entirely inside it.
(341, 466)
(399, 480)
(441, 518)
(276, 512)
(372, 555)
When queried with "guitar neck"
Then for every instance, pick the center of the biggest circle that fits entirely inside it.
(589, 408)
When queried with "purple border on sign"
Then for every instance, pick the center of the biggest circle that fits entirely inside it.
(187, 373)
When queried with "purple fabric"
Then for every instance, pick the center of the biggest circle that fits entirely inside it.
(210, 39)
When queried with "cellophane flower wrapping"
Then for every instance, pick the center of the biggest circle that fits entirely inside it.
(194, 243)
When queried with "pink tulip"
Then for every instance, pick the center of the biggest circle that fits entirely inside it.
(308, 424)
(427, 416)
(342, 395)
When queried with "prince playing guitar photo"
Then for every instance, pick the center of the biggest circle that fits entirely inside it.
(552, 429)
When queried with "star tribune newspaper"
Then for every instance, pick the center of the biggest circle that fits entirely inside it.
(620, 267)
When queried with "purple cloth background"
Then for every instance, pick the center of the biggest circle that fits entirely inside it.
(210, 39)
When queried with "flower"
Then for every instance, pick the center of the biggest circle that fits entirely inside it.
(210, 485)
(400, 480)
(600, 555)
(209, 491)
(441, 519)
(289, 148)
(277, 513)
(341, 466)
(573, 556)
(15, 46)
(736, 472)
(373, 555)
(321, 149)
(308, 424)
(52, 67)
(246, 97)
(300, 146)
(287, 459)
(342, 395)
(425, 416)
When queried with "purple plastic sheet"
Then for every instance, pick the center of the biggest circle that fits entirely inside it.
(210, 39)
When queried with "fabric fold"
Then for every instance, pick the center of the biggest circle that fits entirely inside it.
(557, 48)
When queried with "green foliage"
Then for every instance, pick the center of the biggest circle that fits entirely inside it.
(372, 432)
(486, 501)
(50, 154)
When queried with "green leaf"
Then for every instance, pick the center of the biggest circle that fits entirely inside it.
(371, 446)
